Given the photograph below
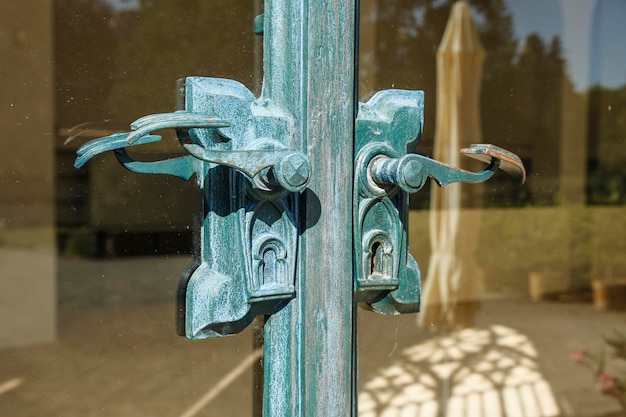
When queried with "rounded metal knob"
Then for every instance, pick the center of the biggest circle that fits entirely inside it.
(406, 172)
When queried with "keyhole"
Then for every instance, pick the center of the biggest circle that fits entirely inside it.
(378, 252)
(269, 267)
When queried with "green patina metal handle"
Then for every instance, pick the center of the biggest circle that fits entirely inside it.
(290, 169)
(108, 143)
(182, 167)
(387, 170)
(179, 120)
(141, 135)
(410, 171)
(249, 174)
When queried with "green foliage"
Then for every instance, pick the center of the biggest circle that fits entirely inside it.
(609, 383)
(606, 187)
(617, 341)
(530, 239)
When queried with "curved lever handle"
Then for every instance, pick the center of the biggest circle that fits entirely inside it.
(509, 162)
(108, 143)
(177, 120)
(410, 171)
(181, 167)
(290, 169)
(141, 129)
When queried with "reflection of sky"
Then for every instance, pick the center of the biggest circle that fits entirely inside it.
(540, 16)
(124, 5)
(608, 51)
(592, 34)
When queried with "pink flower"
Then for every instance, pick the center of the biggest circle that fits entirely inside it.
(607, 383)
(579, 355)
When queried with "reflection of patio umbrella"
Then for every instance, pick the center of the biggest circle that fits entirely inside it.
(450, 289)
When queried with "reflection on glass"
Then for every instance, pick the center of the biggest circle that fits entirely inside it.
(452, 269)
(27, 257)
(90, 329)
(10, 385)
(476, 372)
(552, 91)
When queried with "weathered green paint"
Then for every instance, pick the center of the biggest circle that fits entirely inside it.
(304, 202)
(250, 214)
(387, 127)
(309, 69)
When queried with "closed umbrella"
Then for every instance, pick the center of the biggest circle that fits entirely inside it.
(451, 286)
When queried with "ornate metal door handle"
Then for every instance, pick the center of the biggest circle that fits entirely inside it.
(252, 156)
(410, 171)
(249, 180)
(264, 167)
(289, 169)
(388, 128)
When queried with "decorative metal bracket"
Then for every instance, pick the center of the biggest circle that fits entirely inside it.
(248, 179)
(388, 129)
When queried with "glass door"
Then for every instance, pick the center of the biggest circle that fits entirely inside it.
(516, 316)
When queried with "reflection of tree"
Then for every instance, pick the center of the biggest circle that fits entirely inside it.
(411, 33)
(175, 39)
(537, 90)
(85, 60)
(607, 139)
(126, 63)
(521, 87)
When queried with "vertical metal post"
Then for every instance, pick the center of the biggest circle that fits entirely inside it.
(259, 322)
(309, 70)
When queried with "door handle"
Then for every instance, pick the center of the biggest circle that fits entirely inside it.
(265, 168)
(411, 171)
(387, 170)
(289, 169)
(249, 181)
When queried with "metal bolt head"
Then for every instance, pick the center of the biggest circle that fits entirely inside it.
(293, 172)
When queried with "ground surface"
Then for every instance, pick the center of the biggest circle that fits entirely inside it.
(117, 355)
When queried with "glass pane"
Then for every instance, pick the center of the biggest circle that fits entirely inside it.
(90, 259)
(523, 275)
